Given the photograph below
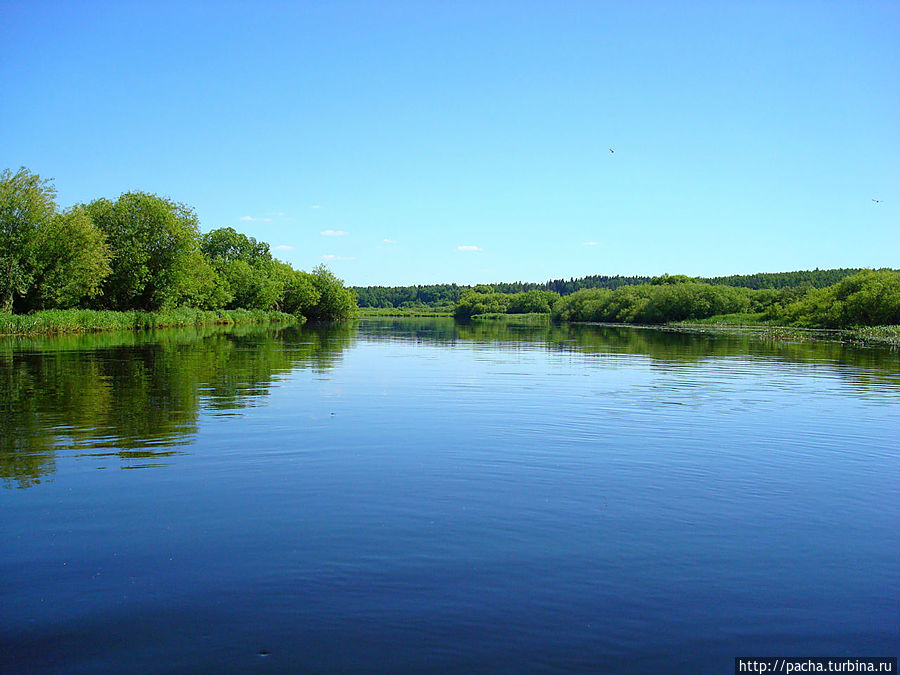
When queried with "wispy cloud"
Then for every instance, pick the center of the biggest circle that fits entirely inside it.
(332, 256)
(469, 248)
(334, 233)
(590, 243)
(389, 241)
(316, 206)
(284, 247)
(247, 218)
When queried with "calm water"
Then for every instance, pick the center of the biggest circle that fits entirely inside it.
(421, 496)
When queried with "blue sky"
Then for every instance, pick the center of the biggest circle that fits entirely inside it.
(417, 142)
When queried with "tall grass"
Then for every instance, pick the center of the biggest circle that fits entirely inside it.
(90, 321)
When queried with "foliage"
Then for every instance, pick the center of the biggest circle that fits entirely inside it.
(71, 260)
(652, 303)
(88, 320)
(299, 293)
(335, 301)
(226, 244)
(442, 295)
(481, 302)
(869, 298)
(531, 302)
(26, 205)
(156, 255)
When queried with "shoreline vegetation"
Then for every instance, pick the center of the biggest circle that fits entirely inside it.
(59, 321)
(141, 261)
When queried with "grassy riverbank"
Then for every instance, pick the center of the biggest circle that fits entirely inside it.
(89, 321)
(363, 312)
(868, 335)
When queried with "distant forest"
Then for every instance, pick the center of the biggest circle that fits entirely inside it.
(447, 295)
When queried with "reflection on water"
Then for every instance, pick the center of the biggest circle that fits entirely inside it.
(137, 396)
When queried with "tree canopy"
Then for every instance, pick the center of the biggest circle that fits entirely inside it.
(145, 252)
(26, 205)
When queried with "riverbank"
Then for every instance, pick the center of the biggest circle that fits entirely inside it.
(866, 335)
(57, 321)
(364, 312)
(738, 323)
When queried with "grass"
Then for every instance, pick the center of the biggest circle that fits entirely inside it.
(56, 321)
(532, 319)
(402, 311)
(880, 335)
(866, 335)
(738, 319)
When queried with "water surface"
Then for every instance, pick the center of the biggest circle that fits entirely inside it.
(420, 495)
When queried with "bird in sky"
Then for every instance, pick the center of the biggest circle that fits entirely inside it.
(877, 201)
(612, 151)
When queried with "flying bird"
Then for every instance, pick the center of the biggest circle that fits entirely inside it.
(877, 201)
(612, 151)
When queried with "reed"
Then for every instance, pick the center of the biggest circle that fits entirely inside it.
(89, 321)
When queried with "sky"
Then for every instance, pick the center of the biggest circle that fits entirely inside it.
(472, 142)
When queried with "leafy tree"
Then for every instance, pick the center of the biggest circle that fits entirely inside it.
(71, 260)
(335, 301)
(210, 288)
(869, 298)
(252, 287)
(479, 301)
(299, 293)
(155, 244)
(26, 205)
(533, 301)
(227, 244)
(245, 267)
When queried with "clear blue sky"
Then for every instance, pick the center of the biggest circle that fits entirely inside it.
(748, 136)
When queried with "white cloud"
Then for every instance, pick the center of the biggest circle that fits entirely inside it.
(267, 220)
(590, 243)
(315, 206)
(389, 241)
(284, 247)
(468, 248)
(332, 256)
(247, 218)
(333, 233)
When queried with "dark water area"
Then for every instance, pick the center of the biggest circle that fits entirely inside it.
(425, 496)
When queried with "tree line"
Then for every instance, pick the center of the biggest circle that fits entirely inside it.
(142, 252)
(867, 298)
(445, 296)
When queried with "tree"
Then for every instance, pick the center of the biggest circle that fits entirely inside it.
(299, 294)
(245, 266)
(529, 302)
(26, 204)
(71, 260)
(335, 301)
(155, 251)
(227, 244)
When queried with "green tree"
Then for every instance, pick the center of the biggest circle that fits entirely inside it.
(251, 286)
(226, 244)
(335, 301)
(71, 260)
(299, 294)
(155, 247)
(532, 302)
(477, 301)
(26, 205)
(246, 268)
